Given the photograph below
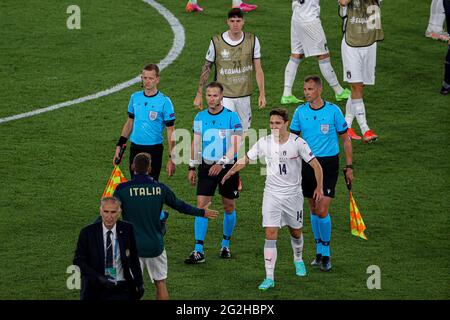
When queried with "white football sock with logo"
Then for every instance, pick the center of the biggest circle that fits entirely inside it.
(360, 113)
(328, 73)
(349, 112)
(270, 257)
(297, 248)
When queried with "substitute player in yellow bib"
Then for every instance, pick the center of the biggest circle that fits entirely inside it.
(362, 30)
(236, 55)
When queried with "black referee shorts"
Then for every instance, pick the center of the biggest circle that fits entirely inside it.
(155, 151)
(206, 185)
(330, 168)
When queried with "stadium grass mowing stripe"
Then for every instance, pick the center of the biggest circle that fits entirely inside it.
(174, 52)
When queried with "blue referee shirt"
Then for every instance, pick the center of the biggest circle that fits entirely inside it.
(320, 127)
(216, 131)
(151, 114)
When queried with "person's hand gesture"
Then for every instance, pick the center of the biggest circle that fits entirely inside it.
(227, 176)
(215, 170)
(210, 214)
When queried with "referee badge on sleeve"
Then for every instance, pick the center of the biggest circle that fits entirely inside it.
(324, 128)
(152, 115)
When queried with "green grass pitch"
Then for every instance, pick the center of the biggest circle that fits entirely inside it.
(54, 166)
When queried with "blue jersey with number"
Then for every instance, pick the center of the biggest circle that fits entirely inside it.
(320, 127)
(150, 114)
(216, 131)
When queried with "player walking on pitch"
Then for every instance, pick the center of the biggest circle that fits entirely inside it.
(307, 40)
(283, 198)
(362, 30)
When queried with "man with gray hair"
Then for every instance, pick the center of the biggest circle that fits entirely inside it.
(107, 256)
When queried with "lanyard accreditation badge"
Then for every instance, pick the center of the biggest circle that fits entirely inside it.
(111, 273)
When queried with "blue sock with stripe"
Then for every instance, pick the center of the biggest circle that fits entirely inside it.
(229, 221)
(325, 234)
(200, 228)
(316, 232)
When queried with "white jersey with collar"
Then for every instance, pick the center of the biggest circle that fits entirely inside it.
(283, 163)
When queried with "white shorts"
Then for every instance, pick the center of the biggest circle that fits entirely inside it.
(242, 106)
(279, 211)
(156, 267)
(308, 38)
(359, 63)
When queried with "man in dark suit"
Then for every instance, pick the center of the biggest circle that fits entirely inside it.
(107, 257)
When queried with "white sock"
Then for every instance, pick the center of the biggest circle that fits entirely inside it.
(349, 112)
(297, 248)
(437, 16)
(236, 3)
(360, 113)
(289, 75)
(329, 75)
(270, 257)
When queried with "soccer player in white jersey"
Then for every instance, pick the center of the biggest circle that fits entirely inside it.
(435, 28)
(192, 6)
(307, 40)
(283, 198)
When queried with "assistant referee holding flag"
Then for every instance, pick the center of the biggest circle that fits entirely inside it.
(149, 112)
(320, 123)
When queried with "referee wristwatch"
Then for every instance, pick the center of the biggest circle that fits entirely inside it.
(349, 166)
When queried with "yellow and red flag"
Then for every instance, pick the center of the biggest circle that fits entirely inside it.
(357, 225)
(115, 178)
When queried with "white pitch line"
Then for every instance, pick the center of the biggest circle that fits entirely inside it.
(175, 51)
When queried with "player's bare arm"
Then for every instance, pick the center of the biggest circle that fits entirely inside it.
(170, 167)
(238, 166)
(206, 70)
(348, 156)
(318, 173)
(344, 2)
(126, 131)
(259, 74)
